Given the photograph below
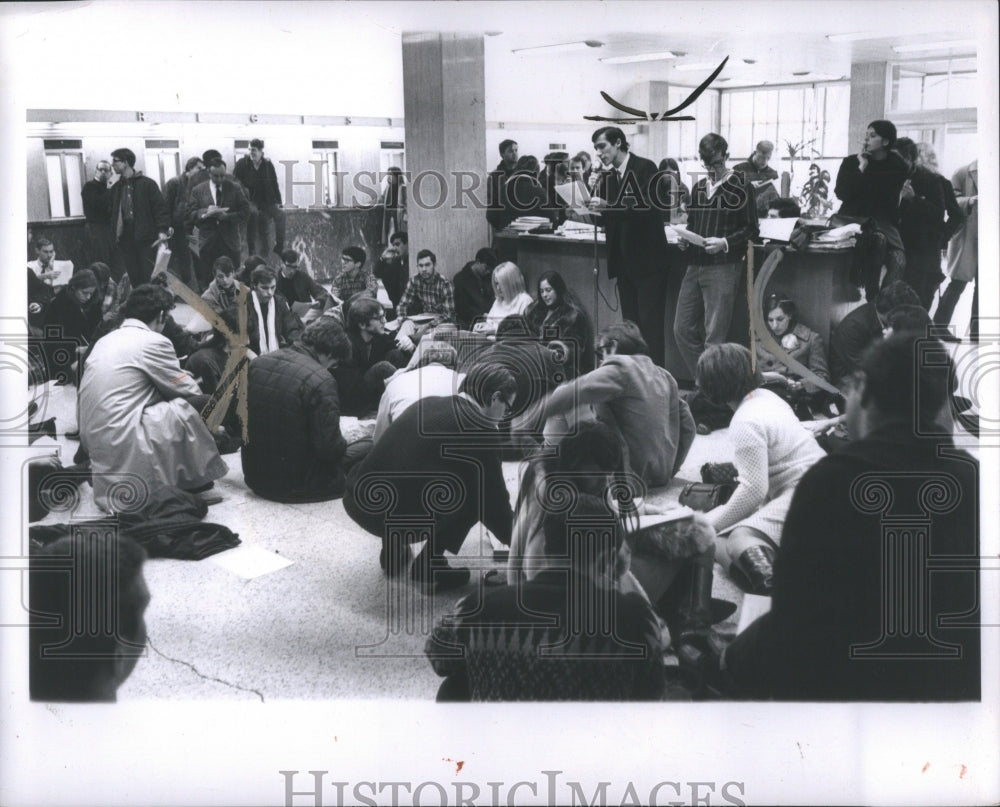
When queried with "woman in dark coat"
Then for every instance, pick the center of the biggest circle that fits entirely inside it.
(557, 316)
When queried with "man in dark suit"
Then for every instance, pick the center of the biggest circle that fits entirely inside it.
(637, 245)
(217, 207)
(140, 219)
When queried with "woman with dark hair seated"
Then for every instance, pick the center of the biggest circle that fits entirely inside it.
(772, 452)
(567, 634)
(557, 315)
(802, 344)
(69, 324)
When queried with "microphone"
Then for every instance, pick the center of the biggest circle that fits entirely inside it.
(595, 177)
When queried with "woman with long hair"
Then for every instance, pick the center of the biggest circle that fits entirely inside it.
(556, 315)
(672, 195)
(510, 297)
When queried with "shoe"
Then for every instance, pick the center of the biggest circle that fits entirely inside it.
(201, 488)
(434, 572)
(756, 565)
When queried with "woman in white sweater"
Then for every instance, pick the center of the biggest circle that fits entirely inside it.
(511, 297)
(773, 450)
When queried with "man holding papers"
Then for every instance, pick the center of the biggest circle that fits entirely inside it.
(637, 245)
(722, 212)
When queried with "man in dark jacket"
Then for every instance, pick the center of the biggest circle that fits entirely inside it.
(637, 245)
(295, 451)
(875, 587)
(434, 474)
(299, 288)
(257, 175)
(176, 194)
(495, 181)
(374, 357)
(140, 219)
(217, 207)
(271, 324)
(474, 288)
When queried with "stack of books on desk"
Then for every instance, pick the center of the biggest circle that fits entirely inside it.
(526, 223)
(579, 230)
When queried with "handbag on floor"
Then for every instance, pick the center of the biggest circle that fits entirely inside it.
(717, 485)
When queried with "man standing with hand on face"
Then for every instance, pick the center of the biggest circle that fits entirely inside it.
(723, 213)
(637, 245)
(96, 195)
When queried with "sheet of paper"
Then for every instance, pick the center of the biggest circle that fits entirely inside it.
(754, 606)
(576, 196)
(249, 562)
(687, 235)
(777, 229)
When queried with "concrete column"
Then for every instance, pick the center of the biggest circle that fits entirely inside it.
(868, 100)
(444, 91)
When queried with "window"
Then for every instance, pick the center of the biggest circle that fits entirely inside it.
(163, 160)
(392, 154)
(327, 151)
(937, 84)
(64, 171)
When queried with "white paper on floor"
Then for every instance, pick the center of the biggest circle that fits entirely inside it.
(753, 606)
(250, 561)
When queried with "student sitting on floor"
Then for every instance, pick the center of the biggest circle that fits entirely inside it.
(634, 396)
(539, 640)
(295, 451)
(139, 411)
(772, 452)
(437, 468)
(374, 358)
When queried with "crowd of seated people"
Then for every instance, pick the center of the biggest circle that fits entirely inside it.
(451, 401)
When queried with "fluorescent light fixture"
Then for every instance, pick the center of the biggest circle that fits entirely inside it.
(640, 57)
(855, 37)
(956, 43)
(565, 47)
(697, 66)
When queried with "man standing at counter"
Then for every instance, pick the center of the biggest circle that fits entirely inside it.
(637, 245)
(723, 213)
(496, 180)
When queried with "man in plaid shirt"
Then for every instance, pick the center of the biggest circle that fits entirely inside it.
(723, 212)
(426, 293)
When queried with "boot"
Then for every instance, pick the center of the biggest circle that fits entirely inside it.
(756, 564)
(687, 606)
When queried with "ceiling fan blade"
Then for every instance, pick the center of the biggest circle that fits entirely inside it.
(694, 96)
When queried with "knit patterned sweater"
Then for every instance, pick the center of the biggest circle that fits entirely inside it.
(773, 451)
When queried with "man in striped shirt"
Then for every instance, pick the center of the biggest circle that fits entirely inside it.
(426, 293)
(723, 212)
